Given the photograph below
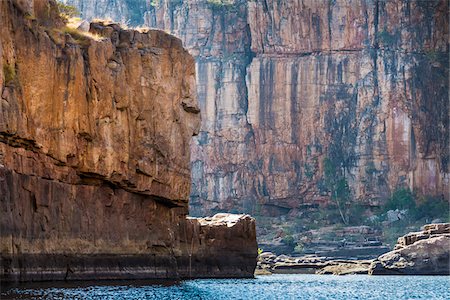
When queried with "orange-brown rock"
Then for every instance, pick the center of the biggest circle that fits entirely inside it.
(285, 86)
(219, 246)
(359, 85)
(94, 153)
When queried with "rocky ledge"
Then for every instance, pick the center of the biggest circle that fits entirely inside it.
(417, 253)
(269, 263)
(426, 252)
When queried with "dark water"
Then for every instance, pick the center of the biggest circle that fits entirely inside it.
(263, 287)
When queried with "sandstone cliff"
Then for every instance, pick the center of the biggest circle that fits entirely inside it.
(95, 131)
(301, 97)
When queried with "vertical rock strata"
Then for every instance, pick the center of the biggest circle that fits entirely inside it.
(358, 89)
(224, 170)
(94, 156)
(365, 83)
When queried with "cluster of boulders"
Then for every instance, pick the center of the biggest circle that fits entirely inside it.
(425, 252)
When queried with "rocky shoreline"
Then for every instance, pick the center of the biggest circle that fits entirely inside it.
(425, 252)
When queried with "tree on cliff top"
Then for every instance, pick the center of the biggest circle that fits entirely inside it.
(67, 11)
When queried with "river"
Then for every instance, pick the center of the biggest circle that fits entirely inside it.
(290, 286)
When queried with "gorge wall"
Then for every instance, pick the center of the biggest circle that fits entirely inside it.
(95, 132)
(304, 100)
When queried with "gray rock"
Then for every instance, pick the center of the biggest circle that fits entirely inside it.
(84, 26)
(396, 215)
(418, 253)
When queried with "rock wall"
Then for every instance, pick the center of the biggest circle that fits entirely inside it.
(296, 93)
(94, 155)
(353, 89)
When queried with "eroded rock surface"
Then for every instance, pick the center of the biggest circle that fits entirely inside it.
(269, 263)
(288, 88)
(418, 253)
(222, 246)
(94, 154)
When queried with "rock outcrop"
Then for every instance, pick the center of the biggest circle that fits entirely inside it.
(95, 133)
(346, 268)
(269, 263)
(418, 253)
(296, 92)
(219, 246)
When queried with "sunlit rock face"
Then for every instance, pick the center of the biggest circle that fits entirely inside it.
(94, 147)
(289, 88)
(95, 133)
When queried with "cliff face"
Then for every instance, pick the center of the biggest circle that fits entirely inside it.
(94, 153)
(301, 99)
(225, 171)
(351, 90)
(129, 12)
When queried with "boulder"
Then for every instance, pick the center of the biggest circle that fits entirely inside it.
(221, 246)
(346, 268)
(418, 253)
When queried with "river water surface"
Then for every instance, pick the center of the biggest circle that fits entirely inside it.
(262, 287)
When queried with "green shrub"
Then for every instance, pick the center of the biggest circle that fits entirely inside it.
(288, 240)
(356, 214)
(299, 249)
(386, 38)
(425, 207)
(401, 199)
(395, 230)
(67, 11)
(432, 208)
(309, 171)
(219, 4)
(9, 72)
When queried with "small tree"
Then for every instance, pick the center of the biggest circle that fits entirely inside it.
(401, 199)
(67, 11)
(338, 187)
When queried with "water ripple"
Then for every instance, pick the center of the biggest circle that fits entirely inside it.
(263, 287)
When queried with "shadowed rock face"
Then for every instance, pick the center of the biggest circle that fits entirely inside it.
(285, 86)
(94, 155)
(221, 246)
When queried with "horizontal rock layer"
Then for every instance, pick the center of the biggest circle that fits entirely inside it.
(94, 156)
(418, 253)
